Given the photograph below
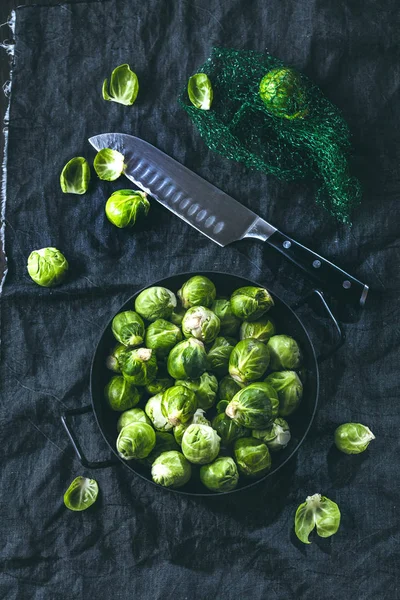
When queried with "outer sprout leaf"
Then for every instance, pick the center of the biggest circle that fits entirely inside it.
(328, 518)
(317, 511)
(108, 164)
(124, 86)
(75, 176)
(200, 91)
(81, 494)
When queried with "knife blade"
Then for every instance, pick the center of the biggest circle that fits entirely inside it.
(216, 214)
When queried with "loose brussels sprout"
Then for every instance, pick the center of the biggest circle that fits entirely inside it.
(121, 394)
(134, 415)
(228, 387)
(124, 86)
(75, 176)
(200, 91)
(250, 303)
(162, 336)
(221, 475)
(248, 361)
(284, 93)
(81, 494)
(155, 303)
(197, 291)
(188, 359)
(198, 417)
(200, 444)
(47, 267)
(255, 406)
(139, 365)
(128, 328)
(289, 388)
(260, 330)
(177, 316)
(205, 389)
(353, 438)
(165, 442)
(108, 164)
(219, 354)
(228, 430)
(285, 352)
(317, 511)
(229, 323)
(252, 457)
(155, 414)
(277, 436)
(124, 207)
(171, 469)
(136, 440)
(221, 406)
(112, 361)
(178, 404)
(159, 385)
(201, 323)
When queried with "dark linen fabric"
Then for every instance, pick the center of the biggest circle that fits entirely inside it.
(138, 541)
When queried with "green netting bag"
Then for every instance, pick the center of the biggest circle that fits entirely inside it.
(274, 119)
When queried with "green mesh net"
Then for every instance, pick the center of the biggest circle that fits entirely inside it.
(274, 119)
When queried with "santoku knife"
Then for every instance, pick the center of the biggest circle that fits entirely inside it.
(217, 215)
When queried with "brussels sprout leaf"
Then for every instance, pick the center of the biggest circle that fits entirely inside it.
(124, 86)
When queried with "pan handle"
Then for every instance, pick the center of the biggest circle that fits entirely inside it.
(340, 333)
(65, 420)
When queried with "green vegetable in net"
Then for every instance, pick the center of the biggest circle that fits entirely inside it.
(75, 176)
(47, 267)
(81, 494)
(200, 91)
(123, 88)
(124, 207)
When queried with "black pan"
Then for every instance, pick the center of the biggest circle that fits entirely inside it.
(287, 321)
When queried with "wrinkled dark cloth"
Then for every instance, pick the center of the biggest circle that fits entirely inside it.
(138, 541)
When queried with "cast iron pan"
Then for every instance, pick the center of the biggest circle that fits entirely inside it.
(287, 321)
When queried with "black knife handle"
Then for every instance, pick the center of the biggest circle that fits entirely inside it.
(342, 285)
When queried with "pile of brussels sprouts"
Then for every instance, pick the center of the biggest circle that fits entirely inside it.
(202, 382)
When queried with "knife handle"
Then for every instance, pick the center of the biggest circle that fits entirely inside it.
(342, 285)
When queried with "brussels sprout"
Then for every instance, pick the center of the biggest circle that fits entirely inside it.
(317, 511)
(284, 352)
(276, 436)
(128, 328)
(198, 417)
(139, 365)
(112, 361)
(155, 414)
(248, 361)
(47, 267)
(284, 93)
(205, 389)
(260, 330)
(165, 442)
(121, 394)
(201, 323)
(136, 440)
(289, 388)
(252, 457)
(221, 475)
(155, 303)
(353, 438)
(187, 359)
(162, 336)
(229, 323)
(178, 404)
(219, 354)
(124, 207)
(75, 176)
(197, 291)
(221, 406)
(200, 444)
(124, 86)
(200, 91)
(255, 406)
(109, 164)
(171, 469)
(134, 415)
(159, 385)
(250, 303)
(81, 494)
(228, 430)
(177, 316)
(228, 387)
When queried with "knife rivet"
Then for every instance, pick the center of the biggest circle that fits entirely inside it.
(316, 264)
(346, 284)
(286, 244)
